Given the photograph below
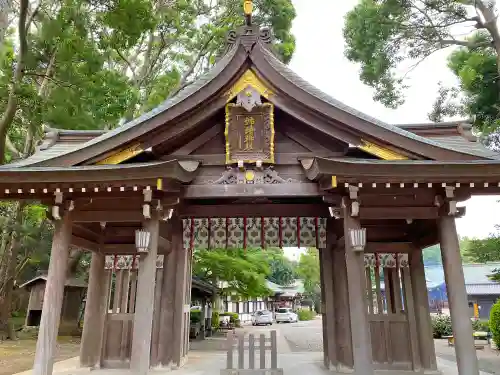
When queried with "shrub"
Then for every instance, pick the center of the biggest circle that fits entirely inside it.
(233, 318)
(195, 316)
(495, 323)
(481, 325)
(305, 314)
(215, 320)
(441, 326)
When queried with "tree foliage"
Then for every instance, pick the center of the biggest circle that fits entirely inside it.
(485, 250)
(86, 64)
(308, 270)
(242, 272)
(383, 35)
(282, 269)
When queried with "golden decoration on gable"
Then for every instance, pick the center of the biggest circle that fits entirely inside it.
(381, 152)
(249, 134)
(122, 155)
(248, 79)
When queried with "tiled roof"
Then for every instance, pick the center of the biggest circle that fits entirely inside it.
(72, 282)
(314, 91)
(183, 94)
(483, 289)
(476, 278)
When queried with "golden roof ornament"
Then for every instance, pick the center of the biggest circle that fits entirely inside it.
(248, 9)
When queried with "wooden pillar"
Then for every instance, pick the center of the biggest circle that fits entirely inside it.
(360, 326)
(53, 297)
(180, 340)
(326, 360)
(343, 334)
(326, 258)
(155, 333)
(422, 313)
(457, 297)
(165, 349)
(144, 306)
(91, 335)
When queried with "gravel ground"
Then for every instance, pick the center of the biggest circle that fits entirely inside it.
(303, 336)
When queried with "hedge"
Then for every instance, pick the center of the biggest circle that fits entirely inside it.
(441, 326)
(305, 314)
(495, 322)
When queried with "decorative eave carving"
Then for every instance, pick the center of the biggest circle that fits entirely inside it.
(50, 138)
(234, 175)
(248, 36)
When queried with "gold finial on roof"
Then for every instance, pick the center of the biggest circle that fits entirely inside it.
(248, 9)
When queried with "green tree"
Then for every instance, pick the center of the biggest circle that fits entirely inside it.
(308, 271)
(79, 64)
(282, 269)
(485, 250)
(380, 35)
(243, 272)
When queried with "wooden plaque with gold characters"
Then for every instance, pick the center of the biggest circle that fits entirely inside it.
(249, 133)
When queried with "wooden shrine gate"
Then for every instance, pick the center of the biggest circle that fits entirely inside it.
(391, 311)
(121, 290)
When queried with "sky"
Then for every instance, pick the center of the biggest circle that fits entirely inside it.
(319, 58)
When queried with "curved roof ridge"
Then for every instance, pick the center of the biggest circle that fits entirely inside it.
(305, 85)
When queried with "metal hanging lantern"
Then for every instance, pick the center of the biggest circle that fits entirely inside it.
(358, 239)
(142, 238)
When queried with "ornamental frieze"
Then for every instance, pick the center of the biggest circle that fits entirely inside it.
(234, 175)
(254, 232)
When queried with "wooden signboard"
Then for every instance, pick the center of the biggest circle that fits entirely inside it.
(249, 134)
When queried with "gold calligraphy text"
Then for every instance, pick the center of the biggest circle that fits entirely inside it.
(249, 133)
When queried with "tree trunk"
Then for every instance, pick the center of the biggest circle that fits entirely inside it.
(5, 6)
(11, 108)
(7, 290)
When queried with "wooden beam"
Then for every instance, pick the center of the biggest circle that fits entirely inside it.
(206, 136)
(254, 210)
(108, 216)
(250, 190)
(388, 247)
(306, 142)
(285, 158)
(398, 213)
(84, 243)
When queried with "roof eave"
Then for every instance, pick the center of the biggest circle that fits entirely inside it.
(377, 170)
(180, 170)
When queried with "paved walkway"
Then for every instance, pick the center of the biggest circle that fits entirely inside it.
(299, 353)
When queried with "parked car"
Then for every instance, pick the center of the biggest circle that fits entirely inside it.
(286, 315)
(262, 317)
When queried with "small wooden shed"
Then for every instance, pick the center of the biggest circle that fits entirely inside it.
(74, 294)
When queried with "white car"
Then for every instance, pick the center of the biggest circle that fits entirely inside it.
(286, 315)
(262, 317)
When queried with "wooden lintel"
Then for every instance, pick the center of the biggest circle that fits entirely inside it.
(388, 247)
(250, 190)
(254, 210)
(279, 158)
(398, 213)
(84, 243)
(108, 216)
(125, 249)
